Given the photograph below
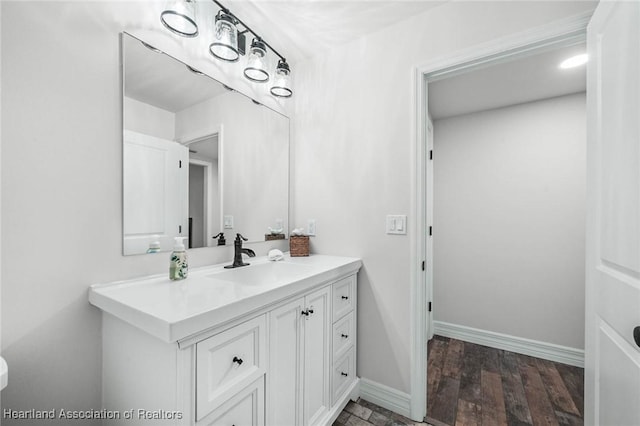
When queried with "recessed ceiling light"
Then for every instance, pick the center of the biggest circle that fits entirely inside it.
(574, 61)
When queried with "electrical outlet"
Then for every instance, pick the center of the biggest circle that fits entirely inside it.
(311, 227)
(228, 222)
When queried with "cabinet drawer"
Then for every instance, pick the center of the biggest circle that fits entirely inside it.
(246, 408)
(343, 296)
(228, 362)
(343, 335)
(344, 373)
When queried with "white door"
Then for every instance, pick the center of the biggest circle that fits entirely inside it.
(612, 357)
(155, 181)
(317, 327)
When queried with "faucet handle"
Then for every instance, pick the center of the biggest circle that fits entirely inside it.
(239, 236)
(221, 241)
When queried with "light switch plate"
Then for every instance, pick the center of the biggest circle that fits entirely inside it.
(228, 222)
(311, 227)
(397, 224)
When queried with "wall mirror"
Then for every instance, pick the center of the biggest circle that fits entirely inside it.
(198, 157)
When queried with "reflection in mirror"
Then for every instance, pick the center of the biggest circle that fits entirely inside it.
(198, 159)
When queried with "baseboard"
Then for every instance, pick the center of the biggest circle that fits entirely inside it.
(386, 397)
(549, 351)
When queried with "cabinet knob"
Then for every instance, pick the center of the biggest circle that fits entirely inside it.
(237, 360)
(344, 336)
(307, 312)
(344, 374)
(636, 335)
(345, 297)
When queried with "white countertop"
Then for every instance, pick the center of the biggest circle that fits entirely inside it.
(212, 295)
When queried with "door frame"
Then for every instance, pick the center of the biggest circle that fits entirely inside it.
(564, 32)
(209, 224)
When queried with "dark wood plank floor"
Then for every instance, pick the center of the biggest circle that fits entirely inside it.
(469, 384)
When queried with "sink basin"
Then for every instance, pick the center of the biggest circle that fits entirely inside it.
(263, 273)
(4, 373)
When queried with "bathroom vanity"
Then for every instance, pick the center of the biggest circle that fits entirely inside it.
(273, 343)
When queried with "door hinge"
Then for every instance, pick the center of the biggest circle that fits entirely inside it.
(430, 231)
(429, 306)
(423, 265)
(431, 155)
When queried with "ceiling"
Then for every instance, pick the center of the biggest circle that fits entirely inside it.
(303, 28)
(205, 149)
(297, 29)
(517, 81)
(173, 89)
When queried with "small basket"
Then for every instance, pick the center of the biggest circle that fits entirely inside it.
(299, 245)
(271, 237)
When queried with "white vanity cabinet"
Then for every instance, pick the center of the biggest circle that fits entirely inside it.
(284, 357)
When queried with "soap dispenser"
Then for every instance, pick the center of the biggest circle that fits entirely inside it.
(154, 246)
(178, 266)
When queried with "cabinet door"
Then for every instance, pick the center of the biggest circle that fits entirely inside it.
(246, 408)
(317, 332)
(227, 362)
(285, 354)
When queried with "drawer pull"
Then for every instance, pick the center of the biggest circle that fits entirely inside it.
(344, 374)
(345, 297)
(307, 312)
(237, 360)
(345, 336)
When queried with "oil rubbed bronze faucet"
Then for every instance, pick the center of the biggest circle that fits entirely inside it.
(239, 251)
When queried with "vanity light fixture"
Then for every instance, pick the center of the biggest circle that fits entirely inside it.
(225, 38)
(229, 44)
(180, 18)
(282, 82)
(256, 69)
(574, 61)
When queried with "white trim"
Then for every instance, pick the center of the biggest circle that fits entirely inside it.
(419, 284)
(567, 31)
(210, 226)
(385, 396)
(535, 348)
(564, 31)
(352, 394)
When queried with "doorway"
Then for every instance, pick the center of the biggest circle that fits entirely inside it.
(562, 34)
(204, 190)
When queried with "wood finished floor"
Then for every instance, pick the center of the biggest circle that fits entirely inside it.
(469, 384)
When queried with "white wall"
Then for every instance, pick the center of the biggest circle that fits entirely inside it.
(253, 159)
(148, 119)
(353, 156)
(62, 191)
(509, 213)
